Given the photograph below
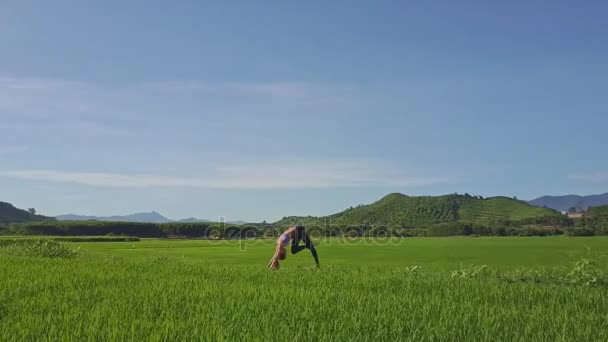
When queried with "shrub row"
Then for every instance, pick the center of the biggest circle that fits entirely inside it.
(219, 231)
(144, 230)
(444, 229)
(96, 238)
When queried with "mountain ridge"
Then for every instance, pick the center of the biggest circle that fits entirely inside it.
(566, 202)
(143, 217)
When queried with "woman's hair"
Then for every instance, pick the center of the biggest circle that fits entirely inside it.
(282, 254)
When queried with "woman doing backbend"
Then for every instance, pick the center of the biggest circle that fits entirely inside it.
(295, 235)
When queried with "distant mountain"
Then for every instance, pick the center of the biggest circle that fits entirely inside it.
(151, 217)
(72, 217)
(419, 211)
(193, 220)
(239, 222)
(564, 203)
(10, 214)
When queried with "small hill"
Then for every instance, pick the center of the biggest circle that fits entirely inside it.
(10, 214)
(564, 203)
(420, 211)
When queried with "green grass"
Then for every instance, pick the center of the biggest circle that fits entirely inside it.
(73, 238)
(366, 290)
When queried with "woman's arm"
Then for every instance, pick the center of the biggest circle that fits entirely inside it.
(274, 261)
(273, 264)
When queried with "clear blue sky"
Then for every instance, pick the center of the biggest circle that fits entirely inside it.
(256, 110)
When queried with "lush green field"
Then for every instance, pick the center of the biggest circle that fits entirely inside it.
(530, 289)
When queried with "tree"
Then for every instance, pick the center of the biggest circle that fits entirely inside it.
(32, 211)
(572, 210)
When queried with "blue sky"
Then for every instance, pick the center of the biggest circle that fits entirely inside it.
(256, 110)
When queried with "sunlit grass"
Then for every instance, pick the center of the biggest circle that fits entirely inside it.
(418, 289)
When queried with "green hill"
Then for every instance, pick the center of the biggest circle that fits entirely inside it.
(500, 208)
(422, 211)
(10, 214)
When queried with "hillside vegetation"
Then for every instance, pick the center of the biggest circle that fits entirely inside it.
(500, 208)
(10, 214)
(423, 211)
(594, 222)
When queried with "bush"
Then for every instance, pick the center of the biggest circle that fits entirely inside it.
(580, 232)
(38, 248)
(540, 231)
(471, 272)
(116, 238)
(596, 220)
(584, 273)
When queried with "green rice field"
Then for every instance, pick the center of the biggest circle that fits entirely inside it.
(413, 289)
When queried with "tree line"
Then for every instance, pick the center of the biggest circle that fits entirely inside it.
(227, 231)
(144, 230)
(594, 222)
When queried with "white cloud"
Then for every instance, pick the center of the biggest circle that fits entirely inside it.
(277, 89)
(593, 177)
(13, 149)
(262, 89)
(35, 83)
(300, 175)
(34, 99)
(289, 91)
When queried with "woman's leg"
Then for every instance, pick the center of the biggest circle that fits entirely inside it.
(302, 235)
(308, 244)
(295, 242)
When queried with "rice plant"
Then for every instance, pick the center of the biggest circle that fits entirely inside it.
(157, 290)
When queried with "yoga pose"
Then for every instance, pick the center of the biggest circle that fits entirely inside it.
(295, 234)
